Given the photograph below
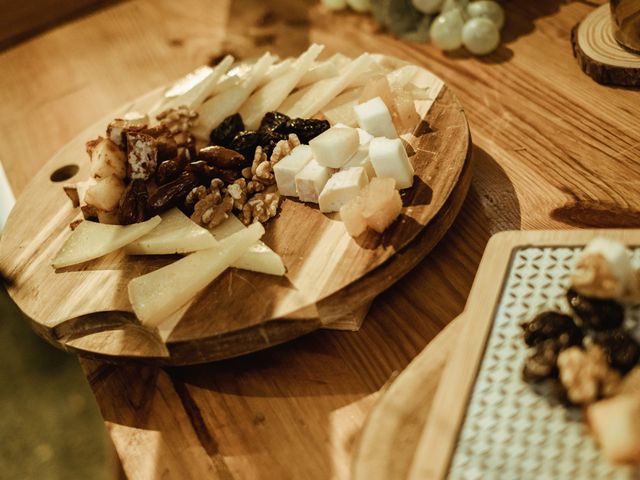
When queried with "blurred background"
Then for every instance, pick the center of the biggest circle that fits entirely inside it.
(49, 421)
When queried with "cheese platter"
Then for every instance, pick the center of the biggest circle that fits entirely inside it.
(285, 266)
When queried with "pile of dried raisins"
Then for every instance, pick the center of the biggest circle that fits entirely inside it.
(594, 324)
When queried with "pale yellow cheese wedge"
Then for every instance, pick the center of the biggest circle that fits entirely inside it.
(92, 240)
(201, 87)
(176, 234)
(319, 94)
(217, 108)
(158, 294)
(258, 258)
(273, 93)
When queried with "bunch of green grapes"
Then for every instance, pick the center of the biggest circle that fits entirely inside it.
(449, 24)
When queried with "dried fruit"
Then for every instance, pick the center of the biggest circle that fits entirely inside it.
(206, 172)
(542, 363)
(224, 133)
(305, 129)
(169, 170)
(133, 207)
(245, 142)
(552, 325)
(596, 313)
(173, 193)
(273, 120)
(222, 157)
(623, 352)
(269, 139)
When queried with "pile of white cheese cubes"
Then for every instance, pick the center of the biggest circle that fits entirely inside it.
(339, 163)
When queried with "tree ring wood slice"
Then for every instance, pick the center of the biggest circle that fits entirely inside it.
(599, 54)
(330, 276)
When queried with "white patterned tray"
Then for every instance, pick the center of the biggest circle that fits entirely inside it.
(512, 431)
(486, 422)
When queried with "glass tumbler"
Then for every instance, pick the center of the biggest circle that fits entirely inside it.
(626, 23)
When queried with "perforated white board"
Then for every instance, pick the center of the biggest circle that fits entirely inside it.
(511, 430)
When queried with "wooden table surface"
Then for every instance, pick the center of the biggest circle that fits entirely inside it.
(552, 149)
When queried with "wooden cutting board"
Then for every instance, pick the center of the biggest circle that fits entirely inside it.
(330, 276)
(414, 428)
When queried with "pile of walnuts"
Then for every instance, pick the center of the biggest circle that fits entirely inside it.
(253, 196)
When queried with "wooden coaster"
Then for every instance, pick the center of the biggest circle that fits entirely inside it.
(599, 54)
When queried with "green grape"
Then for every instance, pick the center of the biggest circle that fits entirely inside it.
(335, 4)
(427, 6)
(487, 9)
(360, 5)
(449, 5)
(480, 36)
(446, 30)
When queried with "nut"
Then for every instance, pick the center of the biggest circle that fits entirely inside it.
(194, 195)
(238, 191)
(260, 208)
(211, 210)
(179, 119)
(283, 148)
(222, 157)
(258, 157)
(586, 375)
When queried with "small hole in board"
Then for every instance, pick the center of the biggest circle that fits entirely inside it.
(64, 173)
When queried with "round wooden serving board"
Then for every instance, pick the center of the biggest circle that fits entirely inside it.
(330, 276)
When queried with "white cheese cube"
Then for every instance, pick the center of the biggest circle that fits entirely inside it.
(361, 159)
(365, 137)
(342, 187)
(374, 117)
(390, 160)
(288, 167)
(333, 147)
(311, 180)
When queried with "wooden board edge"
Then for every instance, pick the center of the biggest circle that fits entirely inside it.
(437, 443)
(388, 421)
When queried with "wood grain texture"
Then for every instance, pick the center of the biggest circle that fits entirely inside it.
(388, 439)
(294, 411)
(329, 274)
(20, 20)
(599, 54)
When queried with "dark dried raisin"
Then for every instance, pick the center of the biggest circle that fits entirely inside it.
(621, 348)
(172, 193)
(552, 325)
(245, 142)
(542, 364)
(133, 206)
(273, 121)
(224, 133)
(305, 129)
(269, 139)
(596, 313)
